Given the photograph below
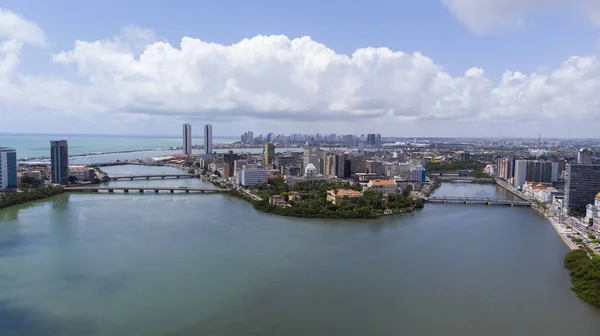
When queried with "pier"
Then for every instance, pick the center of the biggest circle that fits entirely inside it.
(477, 200)
(141, 189)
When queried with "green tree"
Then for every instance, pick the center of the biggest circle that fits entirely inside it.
(406, 192)
(285, 195)
(216, 172)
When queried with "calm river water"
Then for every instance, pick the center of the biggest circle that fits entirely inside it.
(199, 264)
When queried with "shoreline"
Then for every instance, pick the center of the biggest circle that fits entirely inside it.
(556, 226)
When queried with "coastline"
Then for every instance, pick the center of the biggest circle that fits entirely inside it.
(557, 226)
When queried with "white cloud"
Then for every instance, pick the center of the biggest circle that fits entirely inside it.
(15, 27)
(278, 78)
(489, 16)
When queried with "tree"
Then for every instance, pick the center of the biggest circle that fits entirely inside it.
(30, 182)
(406, 192)
(285, 195)
(73, 179)
(216, 172)
(591, 221)
(591, 236)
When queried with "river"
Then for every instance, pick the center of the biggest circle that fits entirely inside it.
(203, 264)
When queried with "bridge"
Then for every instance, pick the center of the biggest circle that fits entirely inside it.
(147, 177)
(477, 200)
(463, 179)
(141, 189)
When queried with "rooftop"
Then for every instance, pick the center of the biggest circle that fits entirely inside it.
(345, 192)
(383, 182)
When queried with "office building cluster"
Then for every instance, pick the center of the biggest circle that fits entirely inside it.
(349, 140)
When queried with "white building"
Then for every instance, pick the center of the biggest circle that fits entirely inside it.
(593, 210)
(34, 174)
(208, 141)
(382, 186)
(520, 176)
(310, 174)
(417, 174)
(187, 139)
(253, 176)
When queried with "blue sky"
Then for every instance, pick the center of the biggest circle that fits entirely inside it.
(543, 40)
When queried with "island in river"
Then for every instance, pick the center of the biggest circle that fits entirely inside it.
(322, 199)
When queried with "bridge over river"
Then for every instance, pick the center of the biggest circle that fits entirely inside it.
(477, 200)
(141, 189)
(147, 177)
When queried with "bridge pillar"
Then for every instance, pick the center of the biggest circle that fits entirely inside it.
(187, 191)
(171, 191)
(126, 191)
(110, 190)
(141, 191)
(163, 177)
(444, 201)
(466, 202)
(202, 191)
(156, 191)
(177, 176)
(488, 203)
(147, 177)
(131, 179)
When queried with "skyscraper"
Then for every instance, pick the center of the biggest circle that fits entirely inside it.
(59, 161)
(208, 144)
(8, 168)
(269, 153)
(582, 184)
(584, 156)
(187, 139)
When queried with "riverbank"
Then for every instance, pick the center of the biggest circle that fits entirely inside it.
(21, 197)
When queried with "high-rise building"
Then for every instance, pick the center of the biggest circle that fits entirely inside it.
(371, 140)
(582, 184)
(418, 174)
(357, 164)
(59, 161)
(313, 155)
(374, 167)
(584, 156)
(253, 176)
(187, 139)
(229, 160)
(465, 157)
(534, 171)
(520, 175)
(342, 165)
(8, 168)
(269, 153)
(378, 139)
(208, 140)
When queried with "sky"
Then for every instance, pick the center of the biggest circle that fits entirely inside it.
(400, 68)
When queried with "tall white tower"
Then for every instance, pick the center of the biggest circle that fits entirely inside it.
(208, 143)
(187, 139)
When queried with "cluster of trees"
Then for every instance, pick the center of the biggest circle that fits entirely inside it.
(10, 199)
(28, 182)
(312, 201)
(585, 276)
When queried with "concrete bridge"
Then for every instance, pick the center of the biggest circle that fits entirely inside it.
(477, 200)
(147, 177)
(141, 189)
(463, 179)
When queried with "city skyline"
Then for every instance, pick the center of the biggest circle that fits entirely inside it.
(414, 68)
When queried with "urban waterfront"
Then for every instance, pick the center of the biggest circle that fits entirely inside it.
(190, 264)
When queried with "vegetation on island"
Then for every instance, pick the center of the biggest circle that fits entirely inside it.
(28, 195)
(585, 276)
(310, 201)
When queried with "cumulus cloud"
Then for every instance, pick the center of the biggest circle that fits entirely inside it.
(488, 16)
(14, 32)
(276, 77)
